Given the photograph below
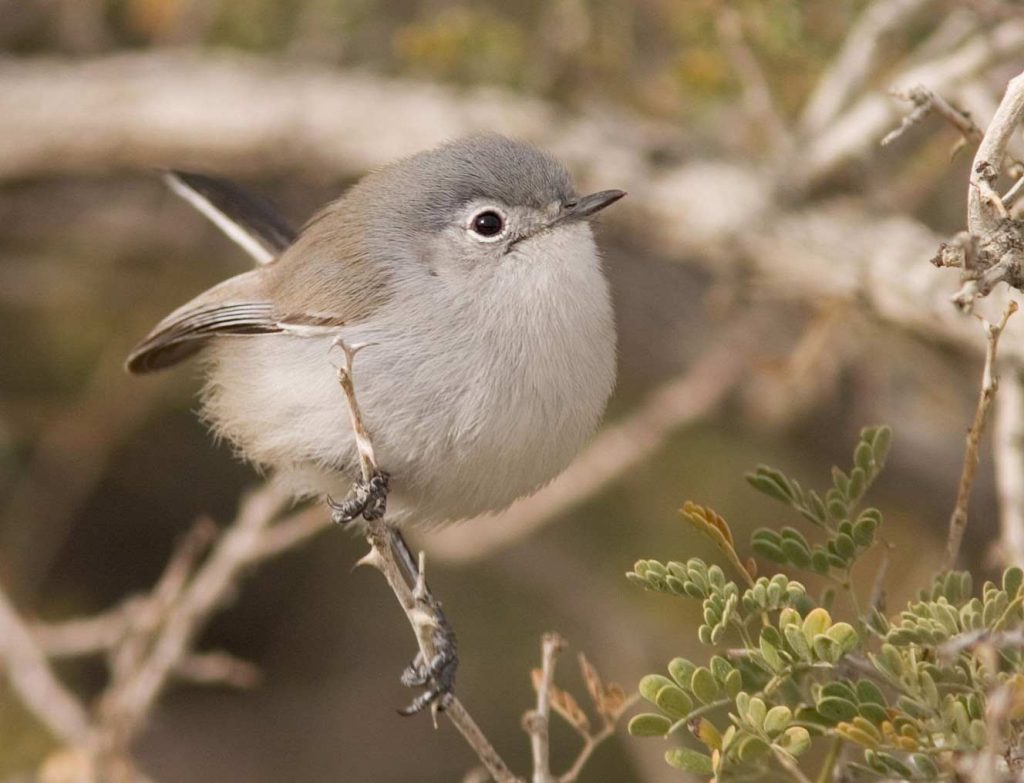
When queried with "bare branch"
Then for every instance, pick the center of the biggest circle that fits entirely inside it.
(850, 70)
(130, 697)
(989, 384)
(420, 607)
(757, 96)
(219, 668)
(1008, 448)
(855, 130)
(30, 675)
(983, 211)
(538, 721)
(925, 102)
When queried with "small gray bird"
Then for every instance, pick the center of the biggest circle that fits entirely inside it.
(470, 273)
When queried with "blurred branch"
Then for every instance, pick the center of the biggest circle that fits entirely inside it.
(853, 132)
(1008, 447)
(849, 71)
(145, 110)
(989, 384)
(760, 106)
(134, 688)
(31, 677)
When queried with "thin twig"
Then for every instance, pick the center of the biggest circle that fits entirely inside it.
(1008, 449)
(789, 765)
(418, 605)
(590, 743)
(989, 383)
(130, 698)
(538, 721)
(925, 102)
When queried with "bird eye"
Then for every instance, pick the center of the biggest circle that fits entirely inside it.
(488, 224)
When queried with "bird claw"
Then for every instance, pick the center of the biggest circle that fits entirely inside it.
(367, 499)
(438, 677)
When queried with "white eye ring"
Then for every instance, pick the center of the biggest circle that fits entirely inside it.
(489, 224)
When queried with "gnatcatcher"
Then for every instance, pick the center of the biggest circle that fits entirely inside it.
(470, 272)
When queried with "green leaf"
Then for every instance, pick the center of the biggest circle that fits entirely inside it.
(819, 560)
(869, 693)
(771, 654)
(795, 741)
(875, 713)
(704, 686)
(756, 712)
(721, 668)
(1012, 580)
(647, 724)
(845, 547)
(682, 671)
(836, 709)
(690, 761)
(796, 553)
(734, 683)
(858, 483)
(817, 621)
(841, 482)
(673, 702)
(826, 649)
(924, 766)
(844, 635)
(771, 482)
(864, 531)
(840, 689)
(880, 445)
(777, 720)
(651, 685)
(750, 747)
(797, 642)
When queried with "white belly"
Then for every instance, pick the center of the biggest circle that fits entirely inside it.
(468, 409)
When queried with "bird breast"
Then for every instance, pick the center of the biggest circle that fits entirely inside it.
(473, 397)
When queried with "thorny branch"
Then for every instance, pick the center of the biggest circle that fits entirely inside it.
(419, 606)
(989, 384)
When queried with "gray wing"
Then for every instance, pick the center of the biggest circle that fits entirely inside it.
(247, 219)
(234, 307)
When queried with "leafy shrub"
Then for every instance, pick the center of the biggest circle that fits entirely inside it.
(910, 693)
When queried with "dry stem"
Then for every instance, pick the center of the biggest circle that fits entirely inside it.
(538, 722)
(925, 102)
(416, 602)
(989, 384)
(1008, 448)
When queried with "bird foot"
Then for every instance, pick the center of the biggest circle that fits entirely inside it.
(367, 499)
(436, 678)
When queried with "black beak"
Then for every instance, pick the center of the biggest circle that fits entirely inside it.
(583, 207)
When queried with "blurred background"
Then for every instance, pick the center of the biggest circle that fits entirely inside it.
(773, 293)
